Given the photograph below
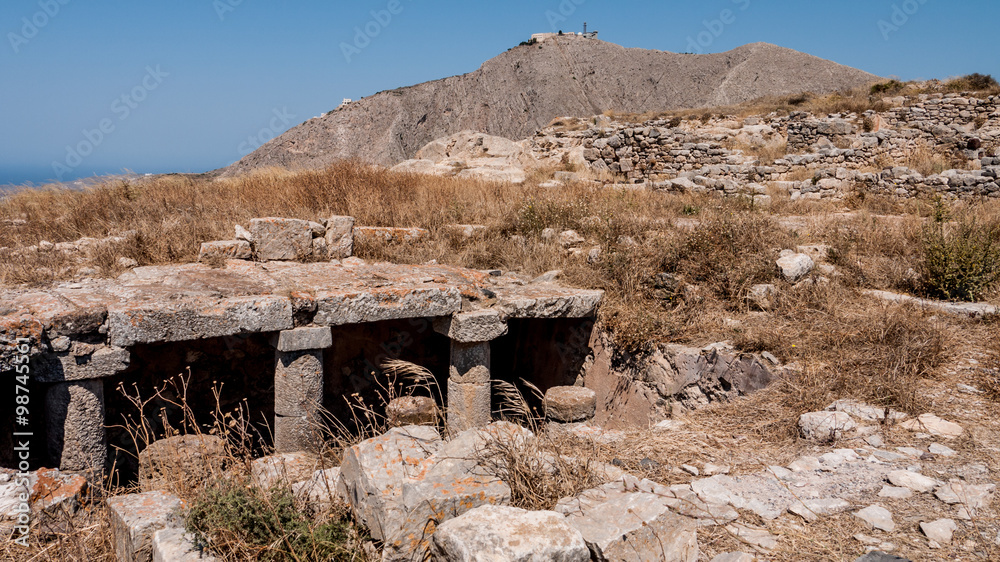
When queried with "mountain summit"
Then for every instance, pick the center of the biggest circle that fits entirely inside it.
(523, 89)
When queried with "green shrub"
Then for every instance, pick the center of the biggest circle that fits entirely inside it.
(890, 87)
(245, 522)
(960, 262)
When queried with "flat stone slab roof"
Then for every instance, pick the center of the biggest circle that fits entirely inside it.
(195, 301)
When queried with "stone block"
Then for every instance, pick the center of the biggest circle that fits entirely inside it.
(298, 383)
(181, 460)
(570, 403)
(411, 410)
(135, 518)
(508, 533)
(281, 239)
(340, 237)
(176, 545)
(390, 234)
(469, 405)
(225, 249)
(173, 320)
(472, 327)
(79, 364)
(75, 414)
(303, 339)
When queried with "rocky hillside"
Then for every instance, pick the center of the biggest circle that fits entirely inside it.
(523, 89)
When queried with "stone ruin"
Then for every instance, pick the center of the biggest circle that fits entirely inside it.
(288, 337)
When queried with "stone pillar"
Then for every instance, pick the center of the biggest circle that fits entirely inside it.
(469, 391)
(298, 388)
(75, 426)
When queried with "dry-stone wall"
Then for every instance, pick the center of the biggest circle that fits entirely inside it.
(841, 150)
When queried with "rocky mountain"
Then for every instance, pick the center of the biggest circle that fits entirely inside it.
(522, 90)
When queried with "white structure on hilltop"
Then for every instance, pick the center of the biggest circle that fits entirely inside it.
(542, 37)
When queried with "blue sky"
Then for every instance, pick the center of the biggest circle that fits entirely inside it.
(97, 86)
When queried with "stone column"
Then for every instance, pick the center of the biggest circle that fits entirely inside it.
(469, 391)
(298, 388)
(75, 426)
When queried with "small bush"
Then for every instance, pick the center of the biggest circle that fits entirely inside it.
(975, 82)
(244, 522)
(890, 87)
(960, 263)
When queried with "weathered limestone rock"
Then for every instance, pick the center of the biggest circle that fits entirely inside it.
(913, 481)
(878, 517)
(266, 472)
(762, 296)
(507, 533)
(373, 473)
(464, 231)
(225, 249)
(735, 557)
(135, 518)
(939, 531)
(637, 526)
(971, 498)
(176, 545)
(75, 413)
(795, 266)
(180, 460)
(321, 489)
(340, 237)
(472, 327)
(753, 535)
(825, 425)
(411, 410)
(389, 234)
(929, 423)
(281, 239)
(570, 239)
(570, 403)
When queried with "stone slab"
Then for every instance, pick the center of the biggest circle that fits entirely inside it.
(135, 518)
(508, 533)
(176, 545)
(303, 339)
(471, 327)
(281, 239)
(76, 439)
(469, 405)
(100, 363)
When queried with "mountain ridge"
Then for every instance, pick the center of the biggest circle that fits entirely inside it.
(523, 89)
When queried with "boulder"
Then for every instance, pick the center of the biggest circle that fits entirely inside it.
(795, 266)
(373, 473)
(411, 410)
(570, 403)
(281, 239)
(929, 423)
(877, 517)
(913, 481)
(762, 295)
(939, 531)
(225, 249)
(570, 239)
(285, 468)
(506, 533)
(339, 237)
(320, 491)
(135, 518)
(180, 461)
(637, 526)
(822, 426)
